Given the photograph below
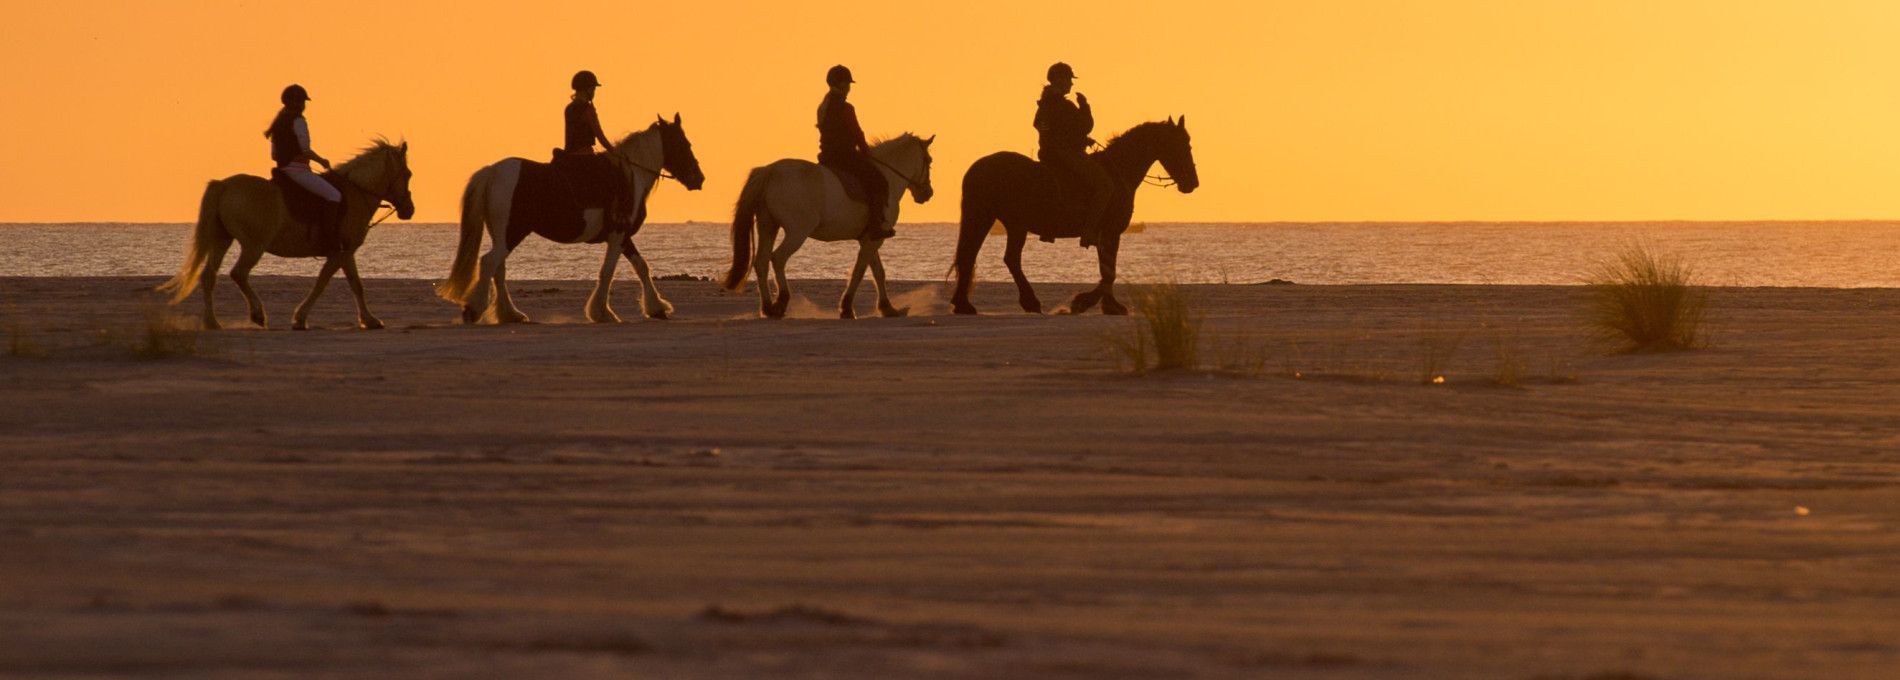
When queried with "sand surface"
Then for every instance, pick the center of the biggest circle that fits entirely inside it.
(718, 496)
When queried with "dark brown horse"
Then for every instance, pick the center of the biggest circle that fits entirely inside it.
(1027, 198)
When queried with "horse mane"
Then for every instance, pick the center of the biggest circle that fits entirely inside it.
(375, 149)
(1142, 129)
(881, 141)
(651, 127)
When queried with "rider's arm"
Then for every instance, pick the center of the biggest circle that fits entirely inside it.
(1087, 119)
(303, 141)
(857, 131)
(593, 118)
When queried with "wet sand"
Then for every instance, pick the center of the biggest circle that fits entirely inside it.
(718, 496)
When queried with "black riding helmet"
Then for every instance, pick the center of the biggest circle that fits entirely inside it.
(838, 75)
(292, 94)
(584, 79)
(1061, 70)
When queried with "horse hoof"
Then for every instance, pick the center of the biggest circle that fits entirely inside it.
(847, 314)
(469, 316)
(299, 326)
(658, 316)
(213, 325)
(965, 309)
(1113, 308)
(1032, 307)
(370, 325)
(894, 312)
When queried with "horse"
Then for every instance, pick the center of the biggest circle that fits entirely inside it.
(251, 210)
(1021, 193)
(808, 201)
(643, 158)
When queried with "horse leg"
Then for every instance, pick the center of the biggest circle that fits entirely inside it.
(847, 308)
(480, 297)
(1107, 251)
(974, 229)
(651, 303)
(241, 275)
(780, 255)
(762, 263)
(1013, 258)
(299, 320)
(598, 311)
(364, 319)
(884, 306)
(209, 280)
(505, 310)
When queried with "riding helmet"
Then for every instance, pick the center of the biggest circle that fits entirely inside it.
(584, 79)
(294, 93)
(838, 75)
(1061, 70)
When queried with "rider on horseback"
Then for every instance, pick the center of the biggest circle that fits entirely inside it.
(592, 176)
(842, 147)
(1063, 137)
(290, 149)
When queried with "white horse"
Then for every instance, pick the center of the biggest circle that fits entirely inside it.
(489, 201)
(807, 200)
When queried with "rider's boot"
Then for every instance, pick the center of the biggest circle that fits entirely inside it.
(1092, 228)
(335, 242)
(874, 227)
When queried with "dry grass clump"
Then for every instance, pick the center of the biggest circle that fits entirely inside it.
(1645, 302)
(1166, 333)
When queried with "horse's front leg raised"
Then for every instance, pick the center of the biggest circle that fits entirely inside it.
(598, 311)
(847, 307)
(1103, 290)
(884, 306)
(364, 319)
(300, 319)
(651, 303)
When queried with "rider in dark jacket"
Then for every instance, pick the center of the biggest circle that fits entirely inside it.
(1063, 138)
(842, 147)
(595, 180)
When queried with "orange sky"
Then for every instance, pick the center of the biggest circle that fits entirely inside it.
(1337, 110)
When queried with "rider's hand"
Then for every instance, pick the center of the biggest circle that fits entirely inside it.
(325, 162)
(1082, 99)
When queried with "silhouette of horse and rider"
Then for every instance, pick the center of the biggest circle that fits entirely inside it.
(586, 196)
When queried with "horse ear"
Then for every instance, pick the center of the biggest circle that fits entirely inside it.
(405, 146)
(928, 142)
(1170, 120)
(657, 118)
(676, 118)
(1181, 122)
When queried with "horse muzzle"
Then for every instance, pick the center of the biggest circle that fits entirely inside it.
(922, 194)
(405, 207)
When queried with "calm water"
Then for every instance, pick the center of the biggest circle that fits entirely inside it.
(1826, 254)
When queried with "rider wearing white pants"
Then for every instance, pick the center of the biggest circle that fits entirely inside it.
(290, 148)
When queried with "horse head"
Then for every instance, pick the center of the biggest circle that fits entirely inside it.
(909, 156)
(1130, 154)
(383, 171)
(676, 154)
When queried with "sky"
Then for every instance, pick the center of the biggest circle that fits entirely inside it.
(1342, 110)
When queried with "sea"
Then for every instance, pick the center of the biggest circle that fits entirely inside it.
(1804, 254)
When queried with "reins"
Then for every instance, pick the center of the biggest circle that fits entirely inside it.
(908, 182)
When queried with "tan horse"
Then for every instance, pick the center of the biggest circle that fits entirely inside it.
(807, 201)
(250, 210)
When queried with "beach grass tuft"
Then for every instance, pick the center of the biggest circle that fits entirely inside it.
(1165, 333)
(1643, 301)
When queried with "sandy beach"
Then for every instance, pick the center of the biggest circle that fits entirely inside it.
(719, 496)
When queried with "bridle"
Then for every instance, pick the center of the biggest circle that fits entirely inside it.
(908, 182)
(659, 172)
(380, 201)
(1163, 181)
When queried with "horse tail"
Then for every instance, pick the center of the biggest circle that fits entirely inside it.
(204, 239)
(474, 210)
(976, 220)
(745, 215)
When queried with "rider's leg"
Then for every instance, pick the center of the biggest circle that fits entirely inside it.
(876, 191)
(330, 227)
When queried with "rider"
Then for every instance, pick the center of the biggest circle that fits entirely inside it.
(1063, 136)
(842, 147)
(598, 181)
(290, 149)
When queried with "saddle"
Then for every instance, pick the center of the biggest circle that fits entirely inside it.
(551, 198)
(1066, 194)
(854, 188)
(305, 207)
